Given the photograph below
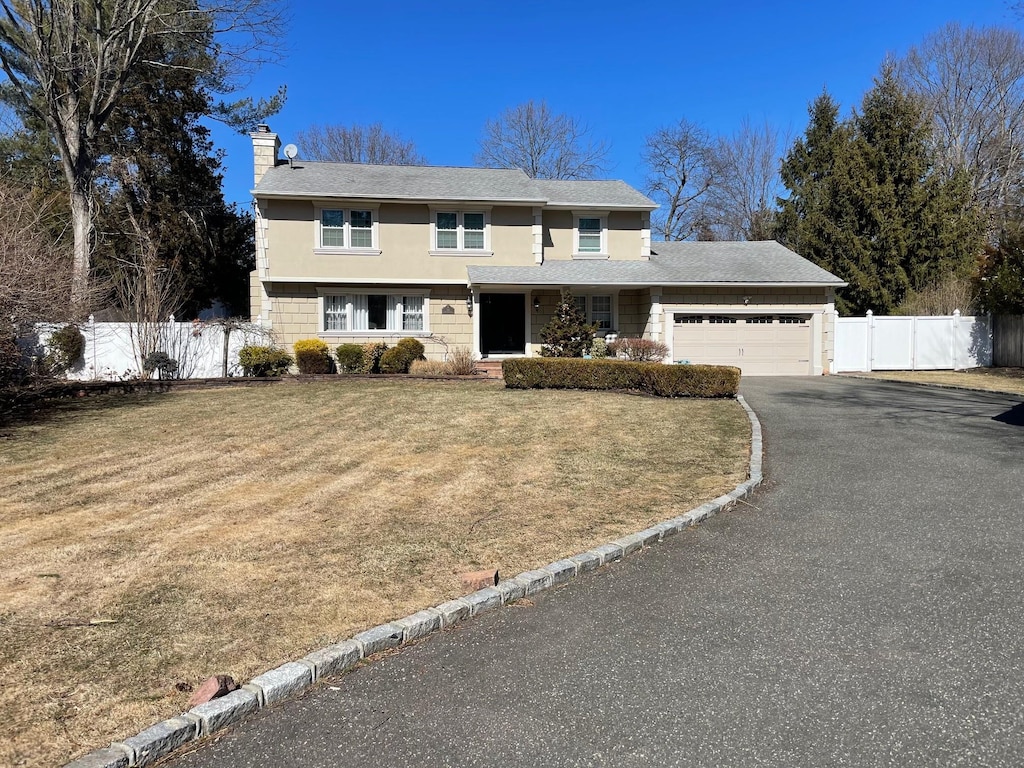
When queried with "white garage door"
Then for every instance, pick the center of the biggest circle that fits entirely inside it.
(762, 345)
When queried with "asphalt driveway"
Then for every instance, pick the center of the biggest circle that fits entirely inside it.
(866, 608)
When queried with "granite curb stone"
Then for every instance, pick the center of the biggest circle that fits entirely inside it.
(333, 660)
(296, 676)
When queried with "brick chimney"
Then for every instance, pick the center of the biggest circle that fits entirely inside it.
(265, 146)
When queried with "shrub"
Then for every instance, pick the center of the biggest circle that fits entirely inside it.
(430, 368)
(462, 362)
(312, 356)
(400, 357)
(373, 351)
(350, 358)
(598, 348)
(653, 378)
(66, 345)
(639, 350)
(567, 334)
(264, 361)
(160, 363)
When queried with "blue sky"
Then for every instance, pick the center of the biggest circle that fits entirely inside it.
(436, 72)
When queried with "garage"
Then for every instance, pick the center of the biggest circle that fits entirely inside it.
(759, 345)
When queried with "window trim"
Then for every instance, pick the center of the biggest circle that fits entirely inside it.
(460, 229)
(613, 308)
(602, 217)
(346, 211)
(399, 293)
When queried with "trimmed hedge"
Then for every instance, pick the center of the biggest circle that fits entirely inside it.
(264, 361)
(400, 357)
(312, 356)
(350, 358)
(653, 378)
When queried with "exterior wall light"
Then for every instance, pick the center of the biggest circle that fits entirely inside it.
(536, 303)
(469, 304)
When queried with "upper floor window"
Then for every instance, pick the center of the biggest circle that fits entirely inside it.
(460, 231)
(347, 229)
(590, 234)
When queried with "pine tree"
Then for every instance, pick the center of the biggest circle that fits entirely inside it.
(868, 203)
(567, 334)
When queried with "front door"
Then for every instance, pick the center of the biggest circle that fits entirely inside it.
(502, 324)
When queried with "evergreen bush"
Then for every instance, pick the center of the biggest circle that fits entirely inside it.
(350, 358)
(66, 345)
(312, 356)
(651, 378)
(567, 334)
(263, 361)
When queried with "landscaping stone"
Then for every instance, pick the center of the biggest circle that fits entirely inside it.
(586, 561)
(722, 501)
(608, 552)
(212, 688)
(475, 580)
(334, 659)
(214, 715)
(453, 612)
(512, 590)
(419, 624)
(561, 572)
(158, 740)
(108, 757)
(535, 581)
(379, 638)
(280, 683)
(483, 600)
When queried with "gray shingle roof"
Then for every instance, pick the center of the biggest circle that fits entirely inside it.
(401, 182)
(419, 182)
(587, 193)
(686, 263)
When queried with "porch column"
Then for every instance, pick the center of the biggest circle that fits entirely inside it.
(474, 302)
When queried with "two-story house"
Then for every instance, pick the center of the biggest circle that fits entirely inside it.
(477, 257)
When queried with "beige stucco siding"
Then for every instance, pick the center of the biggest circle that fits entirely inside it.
(624, 234)
(295, 315)
(403, 237)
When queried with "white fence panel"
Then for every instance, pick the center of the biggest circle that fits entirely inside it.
(947, 342)
(112, 351)
(933, 344)
(892, 344)
(853, 344)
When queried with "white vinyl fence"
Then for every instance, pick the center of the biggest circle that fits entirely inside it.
(114, 351)
(949, 342)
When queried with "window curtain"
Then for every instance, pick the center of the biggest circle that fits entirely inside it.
(394, 314)
(360, 314)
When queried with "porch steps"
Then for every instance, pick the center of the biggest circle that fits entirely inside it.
(490, 369)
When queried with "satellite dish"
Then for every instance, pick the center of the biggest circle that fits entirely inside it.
(291, 151)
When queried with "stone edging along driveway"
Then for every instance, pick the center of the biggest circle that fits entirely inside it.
(295, 677)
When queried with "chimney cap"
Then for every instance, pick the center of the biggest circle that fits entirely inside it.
(262, 128)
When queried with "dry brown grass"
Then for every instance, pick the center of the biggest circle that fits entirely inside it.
(992, 379)
(227, 531)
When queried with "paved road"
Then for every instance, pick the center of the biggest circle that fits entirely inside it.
(867, 609)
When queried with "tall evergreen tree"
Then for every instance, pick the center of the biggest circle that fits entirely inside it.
(868, 203)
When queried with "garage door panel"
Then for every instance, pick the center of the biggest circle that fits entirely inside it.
(757, 345)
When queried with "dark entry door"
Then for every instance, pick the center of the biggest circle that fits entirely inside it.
(502, 323)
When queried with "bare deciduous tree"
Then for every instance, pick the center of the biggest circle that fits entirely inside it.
(369, 144)
(68, 63)
(972, 82)
(745, 167)
(678, 178)
(545, 145)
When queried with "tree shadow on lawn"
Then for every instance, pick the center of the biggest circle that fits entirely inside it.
(27, 407)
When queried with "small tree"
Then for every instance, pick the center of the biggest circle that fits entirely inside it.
(567, 334)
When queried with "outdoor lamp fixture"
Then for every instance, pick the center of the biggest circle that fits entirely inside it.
(536, 303)
(746, 300)
(469, 304)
